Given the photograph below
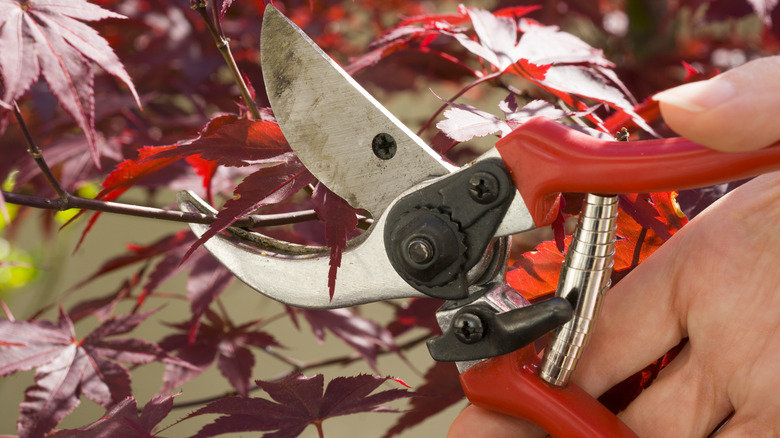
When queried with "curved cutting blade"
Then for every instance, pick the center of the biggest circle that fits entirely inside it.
(298, 275)
(331, 122)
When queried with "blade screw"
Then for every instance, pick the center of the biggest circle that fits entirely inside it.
(468, 328)
(483, 187)
(420, 251)
(384, 146)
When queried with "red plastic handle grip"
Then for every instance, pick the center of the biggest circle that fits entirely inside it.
(509, 384)
(546, 158)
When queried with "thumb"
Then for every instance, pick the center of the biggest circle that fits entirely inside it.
(734, 111)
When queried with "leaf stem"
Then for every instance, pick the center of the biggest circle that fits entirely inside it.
(37, 155)
(223, 45)
(457, 95)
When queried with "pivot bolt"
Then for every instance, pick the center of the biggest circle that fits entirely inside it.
(420, 250)
(384, 146)
(483, 187)
(468, 328)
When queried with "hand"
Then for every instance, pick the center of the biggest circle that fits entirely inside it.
(716, 282)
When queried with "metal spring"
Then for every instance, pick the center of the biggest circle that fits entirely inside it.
(584, 281)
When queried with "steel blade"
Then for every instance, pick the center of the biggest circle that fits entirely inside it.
(334, 125)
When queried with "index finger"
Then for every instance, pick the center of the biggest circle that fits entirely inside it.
(730, 112)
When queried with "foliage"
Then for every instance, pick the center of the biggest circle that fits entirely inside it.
(172, 114)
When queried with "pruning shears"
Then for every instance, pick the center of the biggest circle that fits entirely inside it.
(443, 231)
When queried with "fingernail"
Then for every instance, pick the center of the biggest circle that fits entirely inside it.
(698, 96)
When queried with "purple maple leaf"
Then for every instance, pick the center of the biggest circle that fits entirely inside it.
(216, 339)
(417, 312)
(46, 37)
(298, 401)
(441, 390)
(340, 220)
(123, 420)
(363, 335)
(268, 185)
(67, 368)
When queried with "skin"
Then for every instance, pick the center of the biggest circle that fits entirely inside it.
(715, 282)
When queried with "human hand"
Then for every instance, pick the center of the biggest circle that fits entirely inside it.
(715, 282)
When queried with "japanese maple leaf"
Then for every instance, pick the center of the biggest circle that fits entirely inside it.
(225, 140)
(363, 335)
(46, 37)
(268, 185)
(463, 122)
(231, 141)
(441, 390)
(417, 312)
(123, 420)
(228, 141)
(103, 307)
(67, 368)
(556, 61)
(207, 278)
(537, 271)
(140, 253)
(340, 220)
(410, 36)
(298, 401)
(217, 339)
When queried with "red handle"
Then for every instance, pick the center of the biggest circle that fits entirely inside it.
(546, 158)
(509, 384)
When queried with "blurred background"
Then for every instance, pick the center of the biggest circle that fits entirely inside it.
(183, 82)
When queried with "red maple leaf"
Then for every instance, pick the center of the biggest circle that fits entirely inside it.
(417, 33)
(123, 420)
(537, 271)
(229, 141)
(126, 174)
(462, 16)
(233, 142)
(218, 339)
(298, 401)
(46, 37)
(558, 62)
(226, 140)
(340, 221)
(67, 368)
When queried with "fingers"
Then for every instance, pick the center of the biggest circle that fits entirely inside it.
(683, 401)
(476, 422)
(730, 112)
(639, 323)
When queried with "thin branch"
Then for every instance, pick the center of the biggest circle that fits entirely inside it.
(7, 311)
(296, 364)
(35, 153)
(223, 45)
(343, 360)
(253, 221)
